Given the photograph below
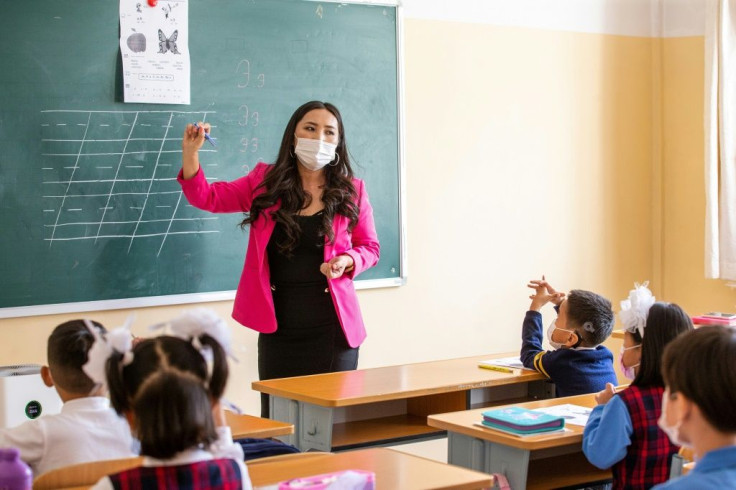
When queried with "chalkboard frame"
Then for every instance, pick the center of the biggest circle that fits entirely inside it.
(187, 298)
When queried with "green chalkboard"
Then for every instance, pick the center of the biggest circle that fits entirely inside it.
(90, 211)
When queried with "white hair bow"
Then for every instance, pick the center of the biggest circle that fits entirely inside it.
(635, 309)
(118, 340)
(193, 323)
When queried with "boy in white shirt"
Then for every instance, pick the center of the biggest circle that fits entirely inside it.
(87, 429)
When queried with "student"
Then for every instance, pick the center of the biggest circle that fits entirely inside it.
(699, 373)
(171, 398)
(87, 429)
(633, 316)
(622, 431)
(579, 364)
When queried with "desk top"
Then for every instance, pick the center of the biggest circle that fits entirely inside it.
(465, 423)
(251, 426)
(393, 470)
(393, 382)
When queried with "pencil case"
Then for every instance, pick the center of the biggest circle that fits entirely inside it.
(339, 480)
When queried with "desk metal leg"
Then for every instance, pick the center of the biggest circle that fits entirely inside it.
(315, 427)
(489, 457)
(312, 423)
(285, 410)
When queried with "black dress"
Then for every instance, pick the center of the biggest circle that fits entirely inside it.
(309, 338)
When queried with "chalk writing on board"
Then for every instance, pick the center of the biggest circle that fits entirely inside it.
(243, 71)
(108, 175)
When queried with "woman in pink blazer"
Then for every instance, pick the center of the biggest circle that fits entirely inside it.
(311, 234)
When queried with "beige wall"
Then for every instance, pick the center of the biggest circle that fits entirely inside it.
(529, 154)
(683, 181)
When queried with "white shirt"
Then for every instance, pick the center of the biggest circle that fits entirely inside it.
(87, 429)
(224, 447)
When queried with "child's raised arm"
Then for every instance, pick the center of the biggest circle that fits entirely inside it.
(543, 294)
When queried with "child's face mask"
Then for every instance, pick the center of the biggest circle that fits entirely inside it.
(672, 431)
(627, 371)
(550, 332)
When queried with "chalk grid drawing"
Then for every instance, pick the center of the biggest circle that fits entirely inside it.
(112, 175)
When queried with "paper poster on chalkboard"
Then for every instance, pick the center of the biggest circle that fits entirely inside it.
(91, 213)
(154, 49)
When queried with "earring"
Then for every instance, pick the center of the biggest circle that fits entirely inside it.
(336, 161)
(291, 153)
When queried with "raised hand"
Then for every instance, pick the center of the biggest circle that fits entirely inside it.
(191, 142)
(602, 397)
(543, 294)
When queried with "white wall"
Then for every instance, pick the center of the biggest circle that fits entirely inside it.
(619, 17)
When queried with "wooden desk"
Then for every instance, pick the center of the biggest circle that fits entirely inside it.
(394, 470)
(389, 405)
(250, 426)
(540, 461)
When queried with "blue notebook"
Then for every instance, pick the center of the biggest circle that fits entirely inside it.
(519, 420)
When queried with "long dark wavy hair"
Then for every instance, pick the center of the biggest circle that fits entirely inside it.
(665, 322)
(283, 184)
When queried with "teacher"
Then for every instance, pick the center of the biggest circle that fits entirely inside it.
(311, 234)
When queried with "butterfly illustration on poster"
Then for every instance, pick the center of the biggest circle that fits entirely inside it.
(154, 45)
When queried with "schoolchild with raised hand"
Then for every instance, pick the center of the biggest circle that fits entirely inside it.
(578, 364)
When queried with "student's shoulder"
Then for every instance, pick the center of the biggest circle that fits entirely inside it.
(603, 353)
(28, 432)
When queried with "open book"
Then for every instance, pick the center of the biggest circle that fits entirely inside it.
(506, 362)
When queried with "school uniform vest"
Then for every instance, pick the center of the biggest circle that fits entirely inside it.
(648, 459)
(221, 474)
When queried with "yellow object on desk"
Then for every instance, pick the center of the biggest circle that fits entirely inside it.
(493, 367)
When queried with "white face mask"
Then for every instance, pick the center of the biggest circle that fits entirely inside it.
(627, 371)
(550, 330)
(673, 432)
(314, 154)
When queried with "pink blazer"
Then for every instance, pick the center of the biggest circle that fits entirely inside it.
(253, 305)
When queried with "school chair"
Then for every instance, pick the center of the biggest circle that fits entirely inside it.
(83, 475)
(682, 462)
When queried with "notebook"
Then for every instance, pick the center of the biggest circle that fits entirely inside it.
(519, 420)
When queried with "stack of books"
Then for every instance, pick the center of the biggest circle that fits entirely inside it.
(716, 318)
(521, 421)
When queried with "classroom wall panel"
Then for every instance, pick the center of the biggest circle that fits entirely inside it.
(528, 155)
(684, 182)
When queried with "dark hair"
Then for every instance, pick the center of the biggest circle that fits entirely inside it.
(665, 321)
(283, 184)
(591, 315)
(169, 390)
(66, 352)
(701, 366)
